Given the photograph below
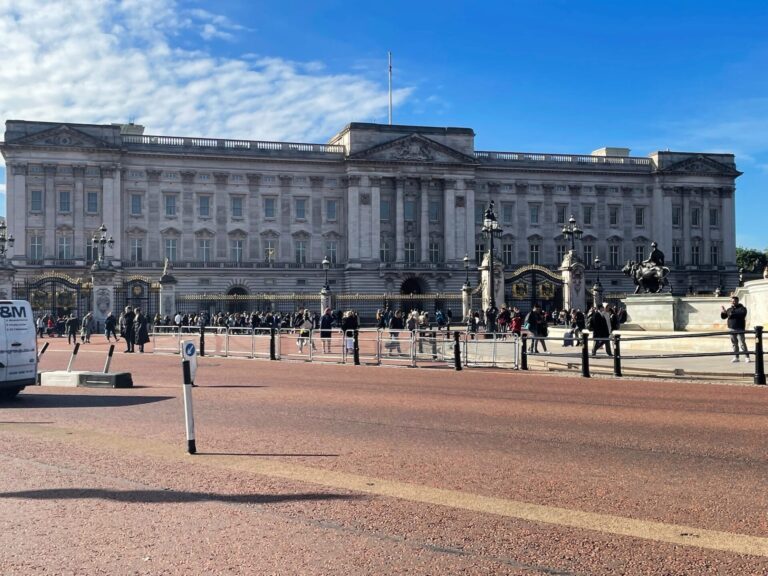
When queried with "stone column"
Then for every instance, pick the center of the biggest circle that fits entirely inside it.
(574, 289)
(326, 299)
(686, 240)
(110, 194)
(466, 301)
(728, 226)
(399, 220)
(597, 293)
(51, 209)
(78, 210)
(706, 236)
(469, 202)
(353, 218)
(375, 183)
(16, 198)
(168, 284)
(103, 301)
(498, 282)
(7, 274)
(449, 219)
(424, 227)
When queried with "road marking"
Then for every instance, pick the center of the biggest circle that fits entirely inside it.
(605, 523)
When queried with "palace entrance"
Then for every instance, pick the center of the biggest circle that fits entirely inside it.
(531, 285)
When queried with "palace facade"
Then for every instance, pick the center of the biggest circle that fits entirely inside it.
(394, 208)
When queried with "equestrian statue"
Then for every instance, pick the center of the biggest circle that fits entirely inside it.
(650, 275)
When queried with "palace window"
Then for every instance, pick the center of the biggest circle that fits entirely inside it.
(301, 251)
(385, 251)
(270, 208)
(410, 210)
(137, 249)
(434, 211)
(170, 205)
(587, 212)
(479, 253)
(639, 253)
(331, 210)
(613, 216)
(92, 202)
(410, 252)
(65, 201)
(36, 201)
(270, 250)
(36, 246)
(676, 255)
(695, 256)
(385, 207)
(204, 250)
(696, 217)
(534, 214)
(614, 256)
(561, 250)
(204, 206)
(135, 204)
(91, 251)
(170, 249)
(640, 216)
(479, 212)
(236, 250)
(533, 253)
(561, 214)
(434, 252)
(714, 217)
(332, 251)
(506, 253)
(64, 247)
(588, 255)
(301, 208)
(236, 206)
(714, 254)
(677, 216)
(507, 214)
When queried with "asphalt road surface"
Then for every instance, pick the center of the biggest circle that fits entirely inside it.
(326, 469)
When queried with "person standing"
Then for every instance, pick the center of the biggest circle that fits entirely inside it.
(533, 322)
(72, 325)
(141, 328)
(326, 325)
(737, 323)
(600, 328)
(127, 329)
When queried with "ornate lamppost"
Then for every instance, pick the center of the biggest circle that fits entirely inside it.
(326, 266)
(466, 270)
(492, 229)
(6, 241)
(573, 232)
(597, 267)
(597, 287)
(100, 243)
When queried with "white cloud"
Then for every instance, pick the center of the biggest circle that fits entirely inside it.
(107, 61)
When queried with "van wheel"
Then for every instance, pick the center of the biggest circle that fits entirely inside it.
(10, 393)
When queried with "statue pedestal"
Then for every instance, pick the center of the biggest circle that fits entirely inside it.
(326, 300)
(574, 289)
(103, 293)
(7, 274)
(650, 312)
(168, 295)
(498, 282)
(466, 301)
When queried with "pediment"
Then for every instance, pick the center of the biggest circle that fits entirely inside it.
(62, 136)
(413, 149)
(205, 231)
(701, 165)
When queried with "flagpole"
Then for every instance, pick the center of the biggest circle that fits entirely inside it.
(389, 54)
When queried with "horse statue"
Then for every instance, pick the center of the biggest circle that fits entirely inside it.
(649, 277)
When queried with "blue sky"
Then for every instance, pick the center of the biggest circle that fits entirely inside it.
(526, 76)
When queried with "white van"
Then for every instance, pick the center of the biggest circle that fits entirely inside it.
(18, 348)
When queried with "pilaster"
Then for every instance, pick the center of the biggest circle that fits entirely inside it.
(449, 219)
(353, 218)
(399, 220)
(424, 227)
(16, 199)
(469, 203)
(375, 184)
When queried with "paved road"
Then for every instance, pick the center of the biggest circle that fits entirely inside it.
(325, 469)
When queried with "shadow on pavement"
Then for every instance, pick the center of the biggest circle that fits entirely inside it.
(168, 496)
(262, 455)
(81, 401)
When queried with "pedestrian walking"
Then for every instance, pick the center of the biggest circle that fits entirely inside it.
(72, 324)
(110, 323)
(127, 329)
(737, 323)
(600, 327)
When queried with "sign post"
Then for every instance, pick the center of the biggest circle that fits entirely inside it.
(189, 369)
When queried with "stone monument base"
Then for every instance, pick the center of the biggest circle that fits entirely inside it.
(649, 312)
(664, 312)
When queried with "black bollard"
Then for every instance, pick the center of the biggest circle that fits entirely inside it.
(356, 349)
(617, 355)
(189, 418)
(524, 352)
(272, 355)
(202, 340)
(456, 351)
(759, 360)
(42, 351)
(585, 355)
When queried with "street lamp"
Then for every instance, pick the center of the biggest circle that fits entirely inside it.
(597, 267)
(326, 265)
(466, 270)
(100, 243)
(6, 242)
(573, 232)
(492, 229)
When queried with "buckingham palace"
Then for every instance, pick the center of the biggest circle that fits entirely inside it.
(389, 208)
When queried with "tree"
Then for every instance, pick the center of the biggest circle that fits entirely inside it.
(751, 260)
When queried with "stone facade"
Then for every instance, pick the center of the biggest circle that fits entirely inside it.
(393, 207)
